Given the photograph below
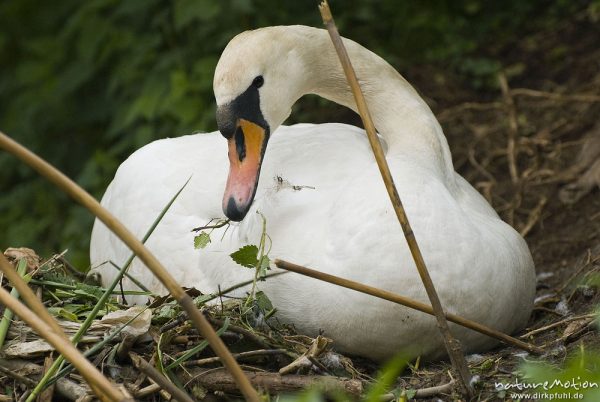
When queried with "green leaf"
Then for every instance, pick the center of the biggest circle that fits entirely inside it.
(166, 312)
(63, 313)
(202, 240)
(246, 256)
(87, 291)
(264, 266)
(263, 302)
(386, 378)
(202, 299)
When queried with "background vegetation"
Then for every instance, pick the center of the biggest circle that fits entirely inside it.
(85, 83)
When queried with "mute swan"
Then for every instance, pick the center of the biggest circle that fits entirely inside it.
(342, 222)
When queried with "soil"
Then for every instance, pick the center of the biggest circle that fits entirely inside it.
(553, 199)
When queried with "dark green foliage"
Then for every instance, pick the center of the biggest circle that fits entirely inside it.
(84, 83)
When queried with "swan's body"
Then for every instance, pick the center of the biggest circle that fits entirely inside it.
(343, 223)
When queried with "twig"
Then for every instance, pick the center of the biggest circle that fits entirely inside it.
(405, 301)
(74, 271)
(479, 167)
(513, 128)
(447, 113)
(147, 391)
(556, 324)
(318, 345)
(452, 345)
(555, 96)
(16, 376)
(249, 335)
(589, 261)
(424, 392)
(224, 222)
(24, 371)
(237, 356)
(125, 346)
(186, 302)
(534, 216)
(91, 374)
(218, 380)
(431, 391)
(160, 379)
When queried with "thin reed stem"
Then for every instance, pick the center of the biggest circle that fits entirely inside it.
(407, 302)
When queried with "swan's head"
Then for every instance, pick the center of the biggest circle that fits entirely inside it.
(257, 80)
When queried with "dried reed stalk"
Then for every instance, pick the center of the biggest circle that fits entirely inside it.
(407, 302)
(161, 380)
(452, 345)
(186, 302)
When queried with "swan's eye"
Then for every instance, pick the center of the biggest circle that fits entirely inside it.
(258, 81)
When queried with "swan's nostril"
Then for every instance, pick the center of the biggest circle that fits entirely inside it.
(233, 212)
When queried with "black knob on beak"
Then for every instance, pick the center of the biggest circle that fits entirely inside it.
(226, 121)
(233, 212)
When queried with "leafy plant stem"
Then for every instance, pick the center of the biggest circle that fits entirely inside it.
(259, 263)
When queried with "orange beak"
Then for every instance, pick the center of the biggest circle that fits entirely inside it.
(246, 150)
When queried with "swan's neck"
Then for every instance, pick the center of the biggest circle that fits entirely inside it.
(400, 115)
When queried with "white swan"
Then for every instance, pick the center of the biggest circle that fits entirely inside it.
(344, 224)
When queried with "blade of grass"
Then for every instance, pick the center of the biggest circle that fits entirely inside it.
(58, 363)
(65, 286)
(8, 314)
(208, 297)
(131, 278)
(81, 196)
(386, 378)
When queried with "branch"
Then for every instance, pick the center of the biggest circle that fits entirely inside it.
(513, 128)
(218, 380)
(160, 379)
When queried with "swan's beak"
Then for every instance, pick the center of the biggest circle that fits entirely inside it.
(246, 149)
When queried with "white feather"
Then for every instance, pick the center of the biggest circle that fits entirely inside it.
(342, 222)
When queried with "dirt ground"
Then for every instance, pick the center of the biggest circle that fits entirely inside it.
(533, 149)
